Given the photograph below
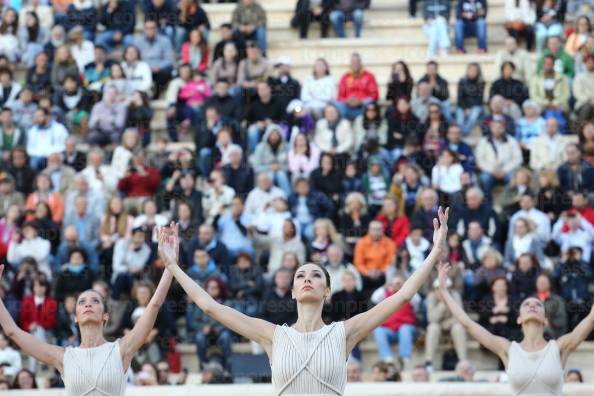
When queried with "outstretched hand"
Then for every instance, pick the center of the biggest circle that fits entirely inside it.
(440, 228)
(169, 244)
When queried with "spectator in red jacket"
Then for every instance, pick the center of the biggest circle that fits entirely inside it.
(39, 312)
(400, 327)
(139, 182)
(396, 224)
(357, 88)
(579, 201)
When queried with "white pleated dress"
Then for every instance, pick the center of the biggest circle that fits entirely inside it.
(538, 373)
(94, 371)
(312, 363)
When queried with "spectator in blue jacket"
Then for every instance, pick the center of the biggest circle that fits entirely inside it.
(471, 20)
(575, 174)
(307, 205)
(436, 14)
(119, 19)
(157, 52)
(455, 143)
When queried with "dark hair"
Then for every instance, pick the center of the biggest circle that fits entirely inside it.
(320, 266)
(79, 251)
(325, 62)
(33, 31)
(42, 280)
(17, 385)
(508, 63)
(576, 372)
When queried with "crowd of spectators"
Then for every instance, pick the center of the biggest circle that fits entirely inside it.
(284, 172)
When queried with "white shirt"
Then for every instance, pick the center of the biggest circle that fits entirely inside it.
(83, 54)
(41, 142)
(447, 179)
(543, 224)
(581, 237)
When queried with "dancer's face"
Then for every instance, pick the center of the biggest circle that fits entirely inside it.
(532, 309)
(310, 284)
(90, 308)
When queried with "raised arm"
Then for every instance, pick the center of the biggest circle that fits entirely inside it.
(51, 355)
(495, 344)
(257, 330)
(570, 341)
(359, 326)
(135, 339)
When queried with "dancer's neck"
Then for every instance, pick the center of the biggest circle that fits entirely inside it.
(533, 336)
(91, 336)
(309, 317)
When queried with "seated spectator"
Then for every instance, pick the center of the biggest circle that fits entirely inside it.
(203, 267)
(279, 307)
(195, 51)
(249, 18)
(83, 51)
(9, 88)
(549, 88)
(422, 217)
(515, 92)
(190, 15)
(523, 278)
(75, 276)
(246, 285)
(139, 116)
(207, 241)
(85, 221)
(441, 320)
(227, 105)
(541, 156)
(119, 19)
(463, 151)
(549, 22)
(10, 357)
(319, 89)
(270, 155)
(401, 82)
(563, 61)
(72, 157)
(497, 156)
(288, 241)
(417, 247)
(403, 124)
(374, 253)
(396, 224)
(66, 330)
(518, 56)
(163, 12)
(542, 224)
(71, 241)
(307, 11)
(11, 135)
(232, 226)
(586, 139)
(238, 174)
(499, 315)
(436, 14)
(521, 184)
(82, 12)
(226, 67)
(130, 257)
(157, 52)
(476, 209)
(39, 74)
(470, 101)
(554, 306)
(520, 17)
(471, 20)
(217, 195)
(571, 231)
(260, 198)
(400, 327)
(43, 11)
(337, 266)
(370, 125)
(63, 65)
(324, 235)
(333, 133)
(343, 11)
(45, 137)
(445, 176)
(476, 244)
(75, 102)
(347, 301)
(136, 72)
(583, 91)
(265, 111)
(108, 119)
(303, 157)
(9, 42)
(229, 35)
(357, 88)
(350, 181)
(583, 29)
(574, 274)
(44, 192)
(327, 178)
(353, 219)
(150, 220)
(530, 126)
(141, 181)
(575, 174)
(498, 109)
(552, 200)
(307, 205)
(421, 102)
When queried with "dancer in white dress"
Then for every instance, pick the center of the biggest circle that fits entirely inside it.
(534, 366)
(309, 358)
(97, 367)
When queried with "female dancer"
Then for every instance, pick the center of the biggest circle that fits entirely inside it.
(309, 357)
(534, 366)
(97, 367)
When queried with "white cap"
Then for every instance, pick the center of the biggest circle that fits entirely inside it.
(282, 60)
